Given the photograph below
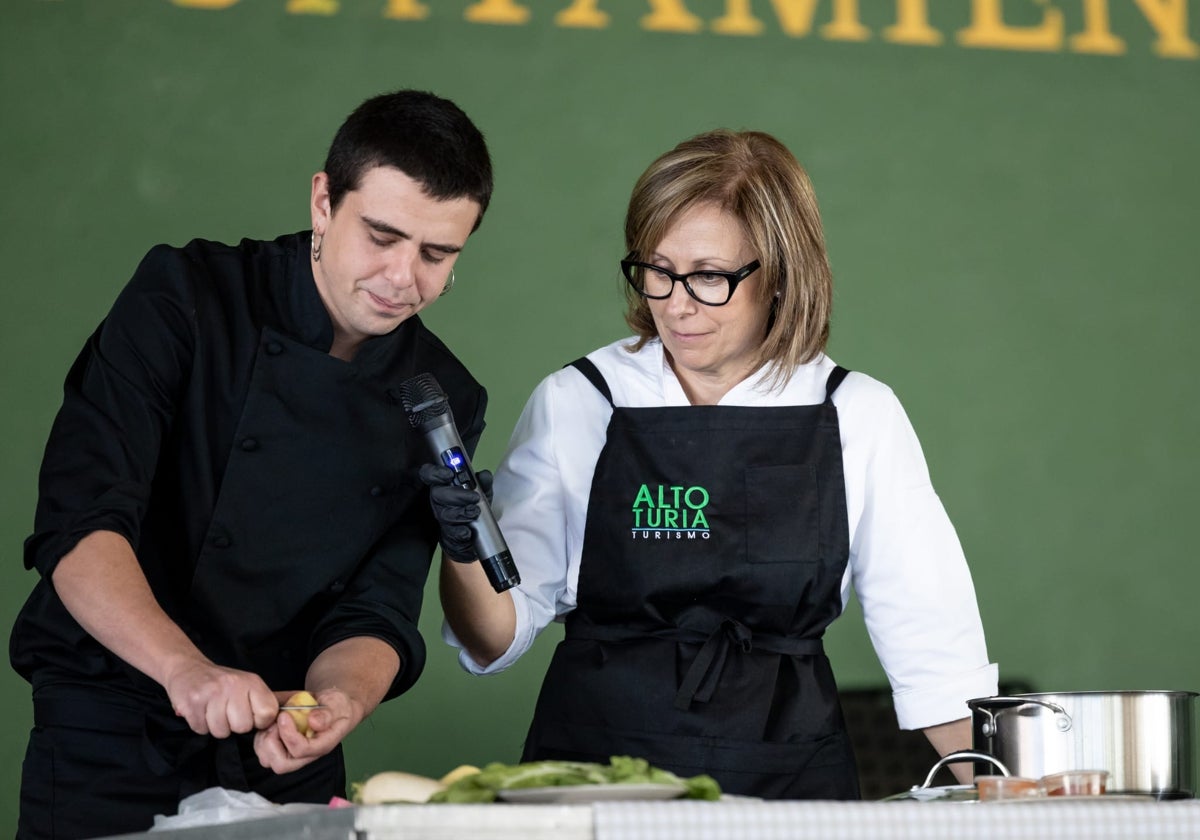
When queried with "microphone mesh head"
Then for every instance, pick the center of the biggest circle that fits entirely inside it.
(423, 399)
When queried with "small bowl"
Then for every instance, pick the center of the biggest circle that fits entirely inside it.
(992, 788)
(1075, 783)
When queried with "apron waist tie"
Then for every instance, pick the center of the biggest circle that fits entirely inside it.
(701, 678)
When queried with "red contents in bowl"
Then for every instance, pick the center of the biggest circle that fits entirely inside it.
(1076, 783)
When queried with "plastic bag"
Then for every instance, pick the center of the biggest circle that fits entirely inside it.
(217, 805)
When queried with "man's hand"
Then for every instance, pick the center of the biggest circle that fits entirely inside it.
(455, 509)
(349, 679)
(103, 587)
(282, 748)
(219, 701)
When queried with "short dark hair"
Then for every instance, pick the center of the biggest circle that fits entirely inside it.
(426, 137)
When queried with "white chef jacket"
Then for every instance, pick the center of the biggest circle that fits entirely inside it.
(906, 564)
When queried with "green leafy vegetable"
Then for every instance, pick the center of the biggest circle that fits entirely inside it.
(621, 769)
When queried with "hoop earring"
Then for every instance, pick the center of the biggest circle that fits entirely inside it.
(317, 241)
(449, 283)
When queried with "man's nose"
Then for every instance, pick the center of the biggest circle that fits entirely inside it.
(401, 268)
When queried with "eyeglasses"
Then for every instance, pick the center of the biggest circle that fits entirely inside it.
(712, 288)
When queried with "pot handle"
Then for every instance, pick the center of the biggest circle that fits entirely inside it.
(964, 755)
(1062, 720)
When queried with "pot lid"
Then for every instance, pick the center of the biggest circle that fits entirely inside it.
(944, 793)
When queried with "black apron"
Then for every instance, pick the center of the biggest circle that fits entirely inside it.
(714, 549)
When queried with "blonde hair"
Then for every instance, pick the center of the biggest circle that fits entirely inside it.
(753, 177)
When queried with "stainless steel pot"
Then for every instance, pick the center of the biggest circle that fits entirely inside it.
(1142, 738)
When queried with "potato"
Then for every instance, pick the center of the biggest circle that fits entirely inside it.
(459, 772)
(300, 716)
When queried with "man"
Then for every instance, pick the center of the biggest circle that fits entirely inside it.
(229, 506)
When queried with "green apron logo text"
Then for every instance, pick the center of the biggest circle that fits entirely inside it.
(670, 513)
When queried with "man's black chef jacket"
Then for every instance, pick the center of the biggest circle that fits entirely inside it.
(269, 490)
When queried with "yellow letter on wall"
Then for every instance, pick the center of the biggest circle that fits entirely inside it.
(312, 7)
(1169, 19)
(1096, 37)
(988, 29)
(406, 10)
(671, 16)
(582, 14)
(497, 11)
(796, 17)
(912, 25)
(204, 4)
(737, 20)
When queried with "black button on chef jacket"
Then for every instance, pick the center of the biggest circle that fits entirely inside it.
(269, 490)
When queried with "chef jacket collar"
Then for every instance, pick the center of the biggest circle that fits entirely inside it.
(310, 320)
(752, 390)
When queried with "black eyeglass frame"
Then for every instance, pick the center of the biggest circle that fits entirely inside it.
(733, 278)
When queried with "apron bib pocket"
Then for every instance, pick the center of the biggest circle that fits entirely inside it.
(782, 514)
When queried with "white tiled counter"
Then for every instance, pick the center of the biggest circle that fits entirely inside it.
(729, 820)
(476, 822)
(737, 820)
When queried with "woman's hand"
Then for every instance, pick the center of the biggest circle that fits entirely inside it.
(455, 509)
(951, 737)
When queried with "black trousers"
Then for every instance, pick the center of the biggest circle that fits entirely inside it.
(90, 780)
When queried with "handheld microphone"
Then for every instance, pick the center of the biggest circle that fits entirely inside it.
(428, 411)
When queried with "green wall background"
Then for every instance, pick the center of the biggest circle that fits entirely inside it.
(1014, 235)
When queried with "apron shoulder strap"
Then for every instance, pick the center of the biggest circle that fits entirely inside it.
(592, 373)
(831, 384)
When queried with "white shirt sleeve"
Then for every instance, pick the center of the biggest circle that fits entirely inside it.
(541, 490)
(907, 564)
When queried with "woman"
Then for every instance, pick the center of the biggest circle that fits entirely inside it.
(696, 502)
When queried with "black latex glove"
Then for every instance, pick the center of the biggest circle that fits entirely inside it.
(455, 509)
